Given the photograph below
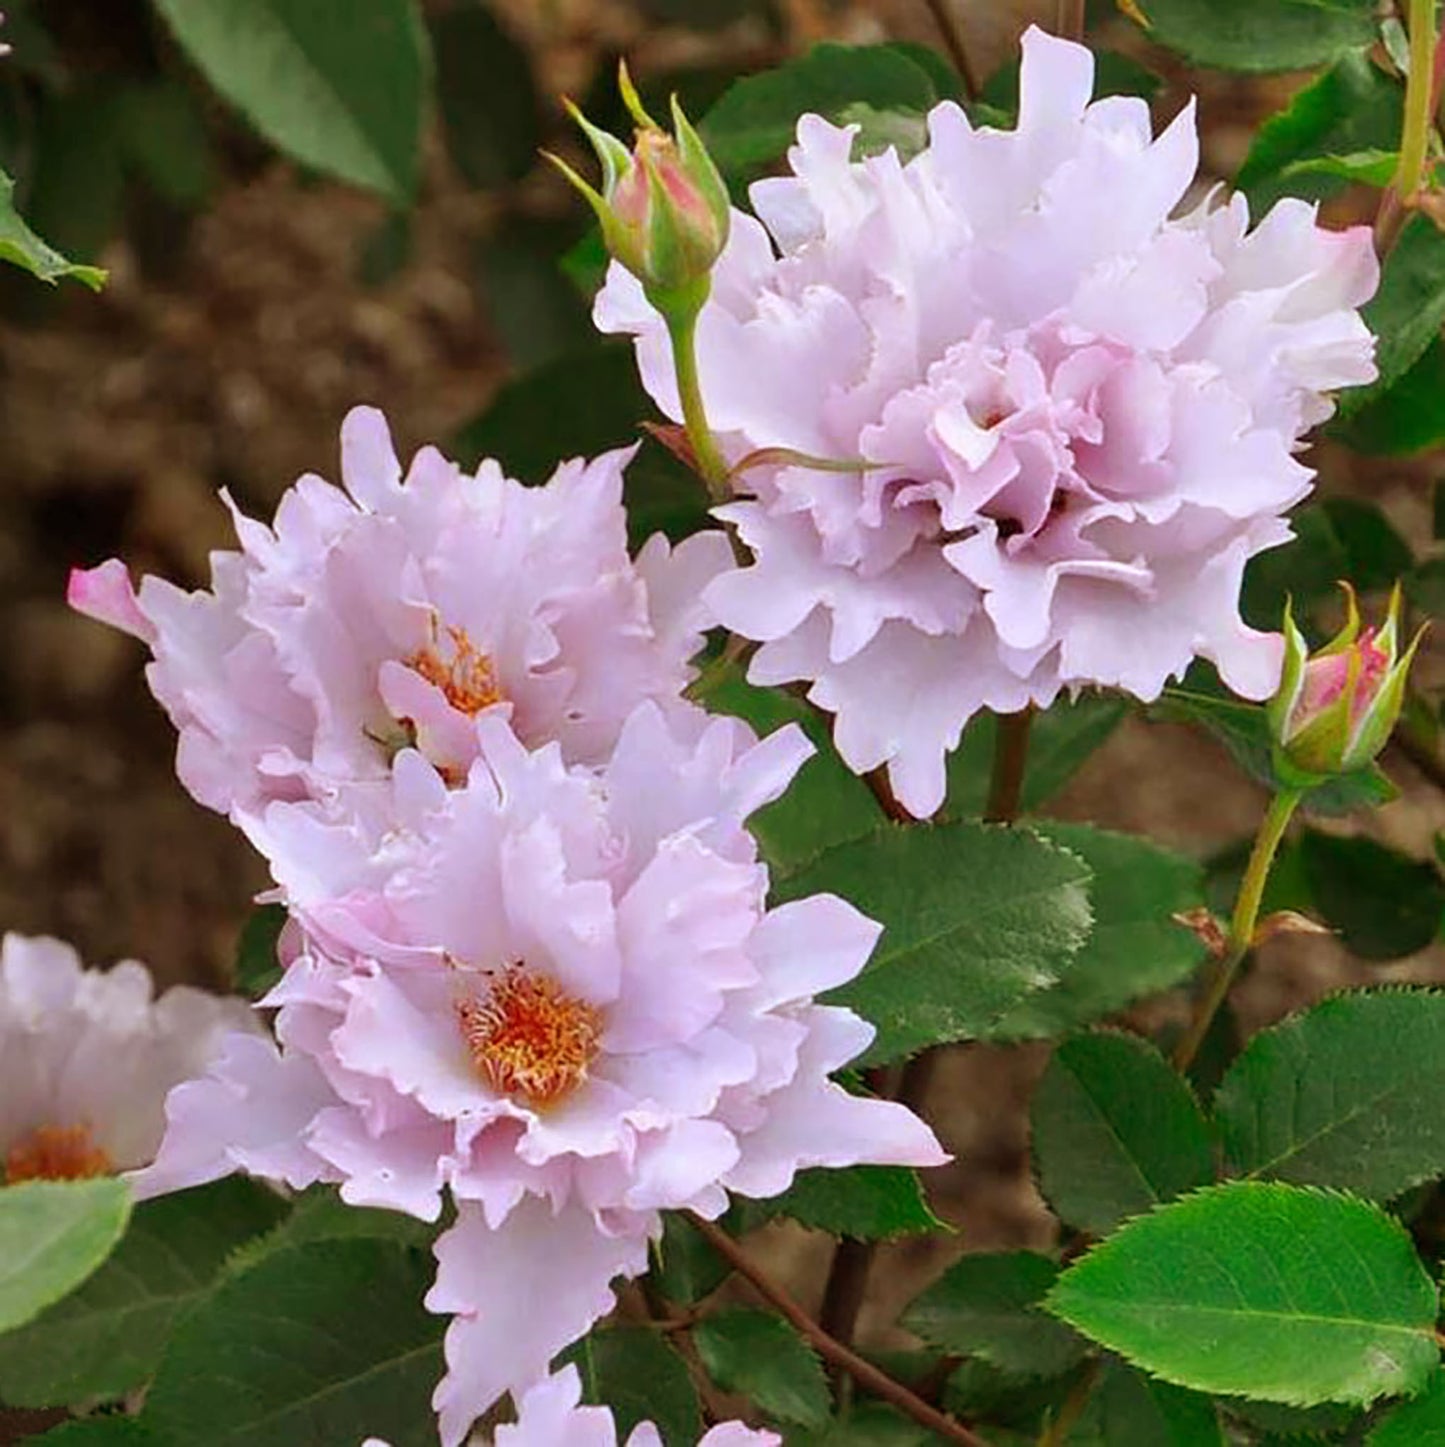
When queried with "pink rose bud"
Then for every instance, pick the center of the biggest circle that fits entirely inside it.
(663, 206)
(1334, 711)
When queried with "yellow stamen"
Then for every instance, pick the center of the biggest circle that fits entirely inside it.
(466, 677)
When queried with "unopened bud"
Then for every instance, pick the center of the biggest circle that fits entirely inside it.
(663, 207)
(1334, 710)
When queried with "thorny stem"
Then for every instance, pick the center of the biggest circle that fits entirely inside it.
(950, 27)
(1010, 758)
(682, 332)
(828, 1347)
(1056, 1433)
(1070, 21)
(1415, 139)
(1241, 926)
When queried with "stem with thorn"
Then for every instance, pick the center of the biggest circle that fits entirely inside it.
(828, 1347)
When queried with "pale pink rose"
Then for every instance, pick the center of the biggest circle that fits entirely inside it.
(400, 611)
(87, 1058)
(558, 993)
(1080, 411)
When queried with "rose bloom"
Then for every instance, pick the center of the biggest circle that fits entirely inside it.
(1079, 412)
(559, 993)
(87, 1058)
(398, 611)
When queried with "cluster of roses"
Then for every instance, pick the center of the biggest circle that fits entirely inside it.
(529, 960)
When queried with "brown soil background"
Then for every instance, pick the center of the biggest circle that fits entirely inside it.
(123, 416)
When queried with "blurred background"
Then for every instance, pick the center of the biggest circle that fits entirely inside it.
(253, 300)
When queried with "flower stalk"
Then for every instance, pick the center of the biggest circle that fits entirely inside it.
(1420, 98)
(682, 333)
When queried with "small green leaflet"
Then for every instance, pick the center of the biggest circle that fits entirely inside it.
(988, 1305)
(1251, 35)
(1350, 1093)
(1419, 1423)
(53, 1234)
(20, 246)
(758, 1355)
(1115, 1131)
(976, 918)
(1261, 1290)
(641, 1378)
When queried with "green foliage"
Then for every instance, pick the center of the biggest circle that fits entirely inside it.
(1353, 107)
(684, 1267)
(1383, 903)
(869, 1203)
(106, 1338)
(527, 429)
(869, 1424)
(1134, 1410)
(1134, 948)
(1061, 740)
(1420, 1423)
(755, 120)
(1406, 313)
(1349, 1094)
(338, 88)
(319, 1214)
(162, 136)
(107, 1431)
(1254, 36)
(54, 1234)
(760, 1356)
(256, 967)
(976, 918)
(1115, 1131)
(252, 1366)
(1261, 1290)
(825, 805)
(487, 94)
(988, 1305)
(1409, 417)
(21, 247)
(635, 1372)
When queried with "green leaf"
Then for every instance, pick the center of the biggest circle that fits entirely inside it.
(755, 121)
(162, 135)
(1365, 168)
(21, 247)
(1353, 107)
(527, 429)
(1407, 418)
(1349, 1094)
(1406, 312)
(256, 968)
(54, 1234)
(490, 105)
(869, 1424)
(248, 1367)
(1061, 740)
(988, 1305)
(1292, 1422)
(1115, 1131)
(108, 1431)
(1134, 949)
(1420, 1423)
(107, 1337)
(868, 1203)
(641, 1378)
(337, 87)
(684, 1266)
(976, 917)
(827, 804)
(1138, 1411)
(758, 1355)
(1259, 1289)
(321, 1215)
(1383, 903)
(1254, 36)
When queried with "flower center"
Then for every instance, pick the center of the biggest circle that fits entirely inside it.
(461, 670)
(528, 1037)
(56, 1153)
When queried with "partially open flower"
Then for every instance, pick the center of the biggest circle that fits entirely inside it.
(663, 207)
(1078, 412)
(87, 1058)
(1334, 710)
(398, 612)
(560, 994)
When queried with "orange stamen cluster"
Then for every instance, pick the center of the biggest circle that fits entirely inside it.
(529, 1038)
(466, 676)
(56, 1153)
